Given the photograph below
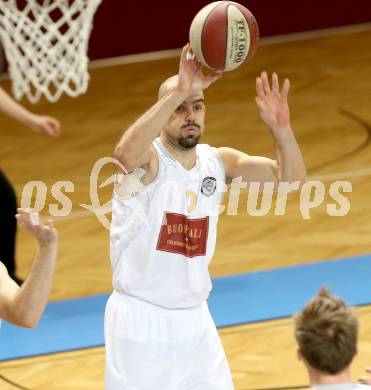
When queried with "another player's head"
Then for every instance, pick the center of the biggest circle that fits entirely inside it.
(186, 124)
(326, 331)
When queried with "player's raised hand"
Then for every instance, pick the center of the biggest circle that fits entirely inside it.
(45, 125)
(272, 101)
(44, 234)
(191, 78)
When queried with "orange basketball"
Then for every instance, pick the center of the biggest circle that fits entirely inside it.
(224, 35)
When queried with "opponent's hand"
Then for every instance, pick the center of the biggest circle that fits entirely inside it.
(366, 380)
(191, 80)
(44, 234)
(272, 103)
(45, 125)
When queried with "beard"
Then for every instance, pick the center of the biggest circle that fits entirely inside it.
(189, 141)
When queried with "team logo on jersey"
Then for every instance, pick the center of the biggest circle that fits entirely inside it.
(208, 186)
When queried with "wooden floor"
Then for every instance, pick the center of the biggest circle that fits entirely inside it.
(330, 95)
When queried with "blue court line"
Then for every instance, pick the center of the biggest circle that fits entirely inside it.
(238, 299)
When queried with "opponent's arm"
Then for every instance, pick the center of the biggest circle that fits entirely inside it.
(288, 165)
(24, 305)
(38, 123)
(133, 149)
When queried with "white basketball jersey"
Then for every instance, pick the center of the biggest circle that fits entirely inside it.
(163, 238)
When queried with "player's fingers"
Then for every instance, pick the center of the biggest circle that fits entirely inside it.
(214, 76)
(259, 103)
(50, 224)
(53, 124)
(190, 55)
(259, 87)
(21, 210)
(23, 216)
(264, 108)
(363, 380)
(285, 88)
(53, 132)
(24, 213)
(29, 219)
(275, 84)
(34, 218)
(22, 220)
(48, 130)
(56, 126)
(183, 55)
(265, 82)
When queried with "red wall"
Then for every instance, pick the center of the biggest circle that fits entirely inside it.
(126, 27)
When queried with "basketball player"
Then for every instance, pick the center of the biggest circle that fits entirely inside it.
(326, 331)
(158, 330)
(8, 204)
(24, 305)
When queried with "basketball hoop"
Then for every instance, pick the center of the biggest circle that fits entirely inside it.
(46, 45)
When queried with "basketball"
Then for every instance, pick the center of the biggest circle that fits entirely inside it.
(224, 35)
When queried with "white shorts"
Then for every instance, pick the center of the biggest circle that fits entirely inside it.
(152, 348)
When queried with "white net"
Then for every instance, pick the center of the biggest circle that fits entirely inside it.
(46, 45)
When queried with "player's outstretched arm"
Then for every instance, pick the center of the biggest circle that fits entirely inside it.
(38, 123)
(133, 149)
(274, 110)
(24, 305)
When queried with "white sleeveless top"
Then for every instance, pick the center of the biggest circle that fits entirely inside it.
(163, 238)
